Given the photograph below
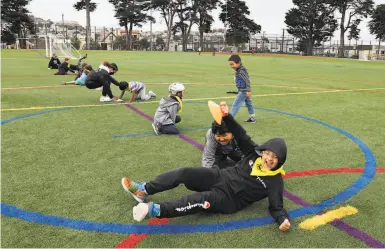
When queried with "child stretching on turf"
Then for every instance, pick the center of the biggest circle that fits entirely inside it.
(255, 177)
(64, 67)
(138, 90)
(81, 80)
(54, 62)
(242, 82)
(165, 116)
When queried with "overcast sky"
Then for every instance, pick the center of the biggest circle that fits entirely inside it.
(270, 14)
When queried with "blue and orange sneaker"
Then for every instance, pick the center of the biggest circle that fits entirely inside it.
(136, 189)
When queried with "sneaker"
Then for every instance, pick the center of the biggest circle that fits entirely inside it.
(104, 99)
(140, 211)
(152, 94)
(250, 120)
(155, 128)
(136, 189)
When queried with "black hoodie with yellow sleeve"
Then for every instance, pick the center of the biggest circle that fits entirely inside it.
(247, 182)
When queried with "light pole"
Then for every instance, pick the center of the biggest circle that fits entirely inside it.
(151, 31)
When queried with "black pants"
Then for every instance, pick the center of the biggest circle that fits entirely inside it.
(212, 194)
(170, 128)
(96, 84)
(53, 66)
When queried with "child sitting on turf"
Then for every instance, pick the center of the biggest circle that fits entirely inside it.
(54, 62)
(138, 90)
(165, 116)
(242, 82)
(256, 177)
(221, 149)
(64, 67)
(81, 80)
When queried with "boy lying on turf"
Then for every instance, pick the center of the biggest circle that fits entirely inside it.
(256, 177)
(81, 80)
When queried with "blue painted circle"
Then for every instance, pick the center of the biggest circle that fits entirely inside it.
(366, 177)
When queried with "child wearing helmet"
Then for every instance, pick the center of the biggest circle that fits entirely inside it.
(138, 90)
(165, 116)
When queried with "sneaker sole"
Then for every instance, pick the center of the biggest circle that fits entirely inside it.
(155, 130)
(128, 191)
(140, 211)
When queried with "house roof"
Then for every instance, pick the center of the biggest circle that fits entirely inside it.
(104, 38)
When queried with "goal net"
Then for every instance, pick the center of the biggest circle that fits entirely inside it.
(362, 55)
(47, 45)
(61, 47)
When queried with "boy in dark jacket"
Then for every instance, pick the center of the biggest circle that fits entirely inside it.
(257, 176)
(102, 78)
(54, 62)
(64, 67)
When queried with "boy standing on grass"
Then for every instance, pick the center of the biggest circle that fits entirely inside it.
(256, 177)
(242, 82)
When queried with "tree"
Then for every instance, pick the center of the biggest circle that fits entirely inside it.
(144, 43)
(352, 12)
(377, 24)
(159, 43)
(167, 10)
(312, 22)
(75, 42)
(15, 20)
(119, 43)
(89, 7)
(234, 15)
(204, 17)
(185, 13)
(131, 13)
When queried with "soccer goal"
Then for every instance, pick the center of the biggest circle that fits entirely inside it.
(362, 55)
(47, 45)
(61, 47)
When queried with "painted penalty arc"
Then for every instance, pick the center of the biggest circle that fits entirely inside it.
(364, 179)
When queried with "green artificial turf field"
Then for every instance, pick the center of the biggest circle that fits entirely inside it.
(63, 153)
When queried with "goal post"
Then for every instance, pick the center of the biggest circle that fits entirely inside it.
(61, 47)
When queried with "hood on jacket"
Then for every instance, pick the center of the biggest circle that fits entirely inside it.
(168, 101)
(276, 145)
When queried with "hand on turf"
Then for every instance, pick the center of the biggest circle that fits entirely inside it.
(224, 108)
(285, 225)
(248, 95)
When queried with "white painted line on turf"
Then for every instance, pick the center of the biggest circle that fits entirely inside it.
(187, 100)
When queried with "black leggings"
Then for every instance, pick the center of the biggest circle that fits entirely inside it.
(96, 84)
(212, 194)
